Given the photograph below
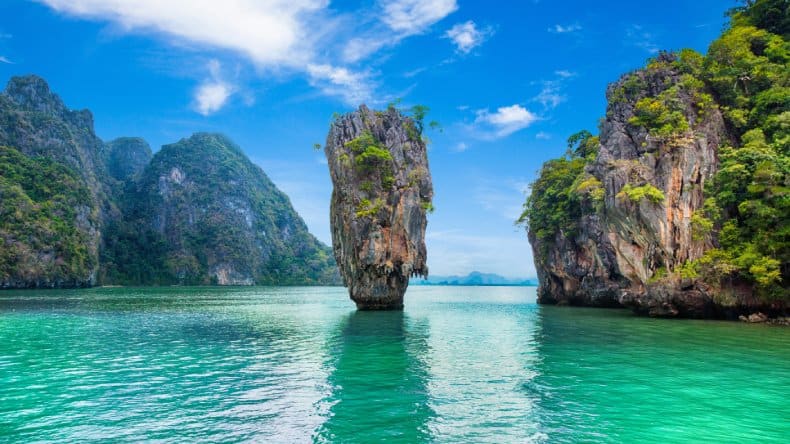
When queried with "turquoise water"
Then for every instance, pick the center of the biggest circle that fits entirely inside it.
(300, 365)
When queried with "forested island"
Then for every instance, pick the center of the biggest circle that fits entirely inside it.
(79, 212)
(680, 206)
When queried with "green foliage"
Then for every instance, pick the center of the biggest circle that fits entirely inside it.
(659, 116)
(371, 157)
(427, 206)
(583, 144)
(633, 85)
(563, 192)
(553, 206)
(46, 212)
(418, 113)
(646, 191)
(771, 15)
(745, 74)
(701, 226)
(590, 186)
(201, 204)
(658, 275)
(366, 208)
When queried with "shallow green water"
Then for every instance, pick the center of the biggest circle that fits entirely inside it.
(300, 365)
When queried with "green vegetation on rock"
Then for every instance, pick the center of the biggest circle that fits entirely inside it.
(75, 211)
(637, 194)
(45, 210)
(745, 220)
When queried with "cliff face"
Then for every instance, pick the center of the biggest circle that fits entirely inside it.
(218, 219)
(627, 240)
(35, 123)
(680, 207)
(126, 157)
(76, 212)
(382, 190)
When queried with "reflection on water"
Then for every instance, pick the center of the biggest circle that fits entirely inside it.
(378, 379)
(607, 376)
(482, 365)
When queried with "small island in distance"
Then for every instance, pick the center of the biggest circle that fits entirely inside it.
(476, 279)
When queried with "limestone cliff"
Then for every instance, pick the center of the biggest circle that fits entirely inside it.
(77, 212)
(628, 218)
(382, 191)
(201, 212)
(54, 198)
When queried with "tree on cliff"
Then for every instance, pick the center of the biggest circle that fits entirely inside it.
(745, 218)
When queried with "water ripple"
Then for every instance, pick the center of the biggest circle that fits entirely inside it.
(299, 365)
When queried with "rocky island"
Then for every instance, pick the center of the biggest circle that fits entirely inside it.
(679, 207)
(76, 211)
(382, 192)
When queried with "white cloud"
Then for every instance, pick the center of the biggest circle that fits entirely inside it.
(565, 74)
(304, 37)
(564, 29)
(400, 19)
(5, 60)
(466, 36)
(409, 17)
(212, 94)
(359, 48)
(461, 147)
(504, 122)
(352, 87)
(269, 32)
(550, 94)
(541, 135)
(640, 38)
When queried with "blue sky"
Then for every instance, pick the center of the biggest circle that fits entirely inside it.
(508, 80)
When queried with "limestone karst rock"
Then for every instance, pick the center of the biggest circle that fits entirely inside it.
(620, 249)
(382, 191)
(76, 211)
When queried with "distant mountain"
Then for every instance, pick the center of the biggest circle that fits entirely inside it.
(76, 211)
(201, 212)
(475, 278)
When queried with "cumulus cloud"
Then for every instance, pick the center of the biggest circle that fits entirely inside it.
(269, 32)
(504, 122)
(397, 20)
(352, 87)
(564, 29)
(466, 36)
(302, 37)
(409, 17)
(214, 92)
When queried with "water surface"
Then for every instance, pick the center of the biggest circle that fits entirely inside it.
(460, 364)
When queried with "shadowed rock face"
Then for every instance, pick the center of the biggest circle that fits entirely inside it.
(382, 191)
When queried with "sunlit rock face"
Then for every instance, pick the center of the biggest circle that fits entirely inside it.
(622, 250)
(382, 191)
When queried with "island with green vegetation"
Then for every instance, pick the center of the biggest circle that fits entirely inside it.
(378, 161)
(79, 212)
(680, 206)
